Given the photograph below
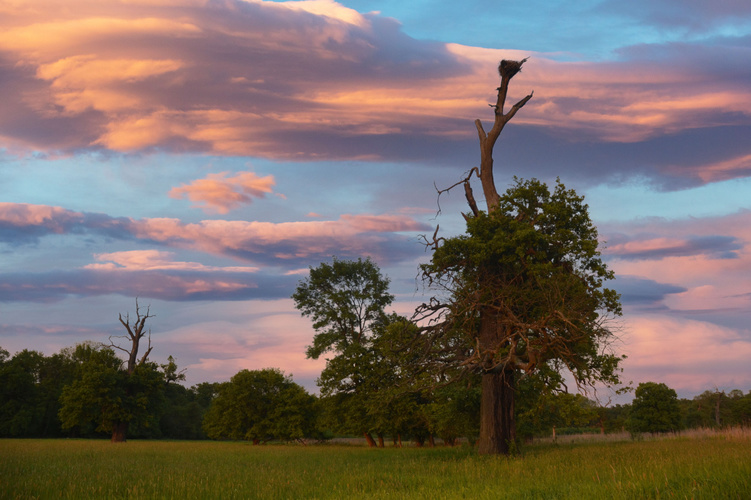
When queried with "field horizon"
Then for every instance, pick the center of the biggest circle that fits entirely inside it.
(701, 465)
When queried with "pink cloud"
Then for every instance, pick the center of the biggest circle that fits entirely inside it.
(302, 79)
(266, 335)
(153, 260)
(715, 171)
(351, 235)
(163, 284)
(23, 214)
(687, 355)
(704, 260)
(219, 193)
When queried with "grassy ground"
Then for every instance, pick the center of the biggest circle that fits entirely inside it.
(712, 467)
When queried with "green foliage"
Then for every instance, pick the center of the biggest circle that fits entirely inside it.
(346, 301)
(713, 409)
(183, 410)
(533, 266)
(30, 387)
(103, 393)
(540, 409)
(260, 405)
(19, 393)
(454, 412)
(654, 409)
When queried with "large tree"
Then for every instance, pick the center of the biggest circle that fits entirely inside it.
(346, 301)
(522, 289)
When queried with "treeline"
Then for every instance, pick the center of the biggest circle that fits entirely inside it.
(41, 396)
(76, 393)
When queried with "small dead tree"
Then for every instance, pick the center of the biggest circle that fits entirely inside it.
(135, 333)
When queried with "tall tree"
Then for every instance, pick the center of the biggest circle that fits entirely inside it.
(523, 288)
(346, 301)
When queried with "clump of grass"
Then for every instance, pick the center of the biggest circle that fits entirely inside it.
(733, 433)
(710, 467)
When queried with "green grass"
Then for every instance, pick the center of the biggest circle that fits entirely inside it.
(705, 467)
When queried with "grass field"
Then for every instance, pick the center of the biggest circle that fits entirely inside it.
(710, 467)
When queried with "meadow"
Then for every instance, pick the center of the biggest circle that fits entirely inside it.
(710, 466)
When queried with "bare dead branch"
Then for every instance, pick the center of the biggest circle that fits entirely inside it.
(135, 332)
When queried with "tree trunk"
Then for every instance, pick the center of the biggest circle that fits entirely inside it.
(717, 411)
(369, 439)
(119, 431)
(380, 441)
(497, 423)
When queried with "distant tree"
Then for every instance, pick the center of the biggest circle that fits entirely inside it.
(346, 301)
(105, 397)
(56, 372)
(260, 405)
(740, 408)
(122, 393)
(19, 393)
(717, 409)
(655, 409)
(541, 411)
(30, 388)
(613, 418)
(183, 411)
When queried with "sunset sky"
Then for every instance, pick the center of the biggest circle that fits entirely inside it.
(203, 154)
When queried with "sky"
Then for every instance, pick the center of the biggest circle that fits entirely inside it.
(202, 155)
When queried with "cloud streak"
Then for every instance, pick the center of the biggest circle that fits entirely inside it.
(158, 284)
(316, 80)
(152, 260)
(284, 243)
(221, 194)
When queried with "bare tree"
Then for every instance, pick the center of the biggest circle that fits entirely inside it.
(135, 333)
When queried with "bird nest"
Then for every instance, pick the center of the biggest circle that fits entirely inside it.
(509, 68)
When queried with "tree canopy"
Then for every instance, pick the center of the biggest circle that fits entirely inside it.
(106, 397)
(534, 265)
(346, 301)
(654, 409)
(260, 405)
(523, 290)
